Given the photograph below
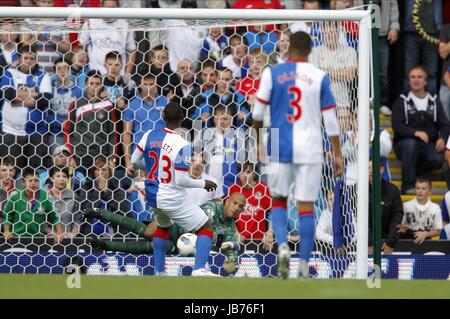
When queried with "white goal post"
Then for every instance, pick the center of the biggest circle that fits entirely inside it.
(362, 17)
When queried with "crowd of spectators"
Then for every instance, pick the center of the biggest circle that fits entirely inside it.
(74, 105)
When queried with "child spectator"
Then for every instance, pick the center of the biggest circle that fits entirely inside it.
(208, 75)
(7, 181)
(222, 146)
(224, 94)
(143, 113)
(102, 190)
(64, 201)
(62, 158)
(249, 85)
(65, 91)
(252, 222)
(237, 60)
(422, 218)
(119, 88)
(281, 52)
(79, 65)
(28, 209)
(214, 44)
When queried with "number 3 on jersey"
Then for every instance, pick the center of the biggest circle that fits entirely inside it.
(295, 104)
(167, 164)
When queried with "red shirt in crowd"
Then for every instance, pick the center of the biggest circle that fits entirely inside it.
(247, 86)
(252, 221)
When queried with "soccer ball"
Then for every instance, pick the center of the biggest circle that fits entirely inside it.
(186, 244)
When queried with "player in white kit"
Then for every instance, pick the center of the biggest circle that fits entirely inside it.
(299, 97)
(166, 155)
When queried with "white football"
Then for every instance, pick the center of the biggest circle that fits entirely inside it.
(186, 244)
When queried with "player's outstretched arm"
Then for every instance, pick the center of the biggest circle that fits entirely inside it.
(137, 159)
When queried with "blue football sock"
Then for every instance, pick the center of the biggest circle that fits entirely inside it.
(202, 249)
(279, 224)
(307, 229)
(159, 253)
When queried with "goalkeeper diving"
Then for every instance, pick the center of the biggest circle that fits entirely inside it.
(221, 215)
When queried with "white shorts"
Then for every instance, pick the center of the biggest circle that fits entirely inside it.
(306, 178)
(189, 216)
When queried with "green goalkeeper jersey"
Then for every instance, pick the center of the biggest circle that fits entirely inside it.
(225, 227)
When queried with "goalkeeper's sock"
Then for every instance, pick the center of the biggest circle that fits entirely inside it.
(279, 222)
(307, 229)
(133, 247)
(160, 243)
(128, 223)
(202, 248)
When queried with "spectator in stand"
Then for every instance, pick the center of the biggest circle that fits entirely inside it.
(196, 171)
(222, 146)
(388, 35)
(214, 44)
(120, 89)
(79, 65)
(281, 52)
(90, 128)
(237, 60)
(422, 219)
(62, 158)
(445, 208)
(186, 91)
(102, 190)
(391, 212)
(208, 75)
(340, 62)
(421, 129)
(252, 222)
(144, 113)
(28, 209)
(7, 181)
(158, 65)
(50, 44)
(27, 93)
(65, 91)
(9, 43)
(416, 49)
(350, 27)
(444, 52)
(224, 94)
(248, 86)
(65, 202)
(113, 36)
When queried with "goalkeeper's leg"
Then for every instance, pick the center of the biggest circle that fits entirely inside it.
(132, 247)
(127, 223)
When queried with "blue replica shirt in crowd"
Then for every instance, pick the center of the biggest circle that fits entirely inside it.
(145, 117)
(261, 40)
(21, 120)
(63, 96)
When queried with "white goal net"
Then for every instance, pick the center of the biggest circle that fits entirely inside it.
(78, 93)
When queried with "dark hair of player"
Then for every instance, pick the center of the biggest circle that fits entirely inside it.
(173, 113)
(299, 45)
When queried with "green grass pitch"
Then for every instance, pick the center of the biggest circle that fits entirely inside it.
(54, 286)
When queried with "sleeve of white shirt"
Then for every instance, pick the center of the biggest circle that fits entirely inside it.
(263, 95)
(45, 86)
(83, 37)
(131, 44)
(322, 232)
(437, 220)
(385, 143)
(137, 158)
(448, 143)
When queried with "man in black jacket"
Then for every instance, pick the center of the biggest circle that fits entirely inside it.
(420, 128)
(391, 213)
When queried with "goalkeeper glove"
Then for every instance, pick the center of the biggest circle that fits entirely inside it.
(231, 265)
(229, 245)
